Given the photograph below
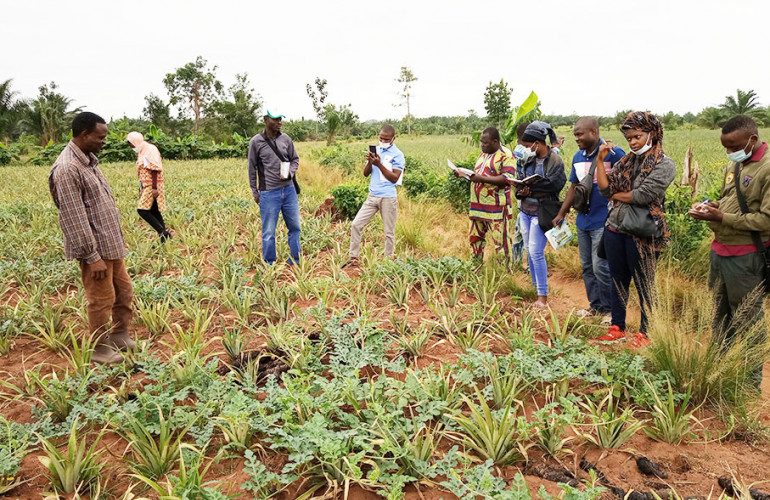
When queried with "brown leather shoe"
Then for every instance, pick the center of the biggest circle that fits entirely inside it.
(105, 355)
(121, 341)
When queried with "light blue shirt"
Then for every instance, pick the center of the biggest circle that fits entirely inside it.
(380, 186)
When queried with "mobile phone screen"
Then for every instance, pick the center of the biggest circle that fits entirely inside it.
(373, 150)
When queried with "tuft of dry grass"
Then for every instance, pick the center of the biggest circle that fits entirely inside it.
(682, 344)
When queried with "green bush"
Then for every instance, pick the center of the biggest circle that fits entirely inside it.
(420, 180)
(298, 130)
(339, 156)
(457, 189)
(190, 147)
(687, 233)
(48, 154)
(349, 197)
(5, 155)
(116, 148)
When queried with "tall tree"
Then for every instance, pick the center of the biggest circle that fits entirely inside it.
(497, 101)
(10, 110)
(620, 116)
(157, 112)
(406, 78)
(196, 84)
(338, 121)
(743, 103)
(712, 117)
(49, 116)
(671, 120)
(241, 111)
(318, 96)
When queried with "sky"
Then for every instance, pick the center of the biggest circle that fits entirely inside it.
(589, 57)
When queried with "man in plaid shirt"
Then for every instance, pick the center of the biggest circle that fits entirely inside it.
(91, 233)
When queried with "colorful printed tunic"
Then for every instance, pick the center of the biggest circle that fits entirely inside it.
(490, 202)
(144, 170)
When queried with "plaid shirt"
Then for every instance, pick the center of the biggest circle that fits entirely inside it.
(88, 216)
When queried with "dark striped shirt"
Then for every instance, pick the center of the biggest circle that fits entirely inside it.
(88, 217)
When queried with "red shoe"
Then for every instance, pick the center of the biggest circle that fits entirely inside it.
(640, 341)
(614, 333)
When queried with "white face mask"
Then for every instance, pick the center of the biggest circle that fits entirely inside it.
(644, 148)
(385, 145)
(136, 150)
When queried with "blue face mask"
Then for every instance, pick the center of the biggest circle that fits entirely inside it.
(523, 153)
(741, 155)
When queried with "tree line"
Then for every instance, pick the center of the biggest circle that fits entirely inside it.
(197, 107)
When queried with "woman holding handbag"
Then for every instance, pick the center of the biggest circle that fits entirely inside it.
(637, 230)
(539, 198)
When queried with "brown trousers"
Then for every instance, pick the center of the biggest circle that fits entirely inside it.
(110, 296)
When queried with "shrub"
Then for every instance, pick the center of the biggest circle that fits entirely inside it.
(687, 234)
(457, 190)
(349, 197)
(420, 180)
(298, 130)
(339, 156)
(48, 154)
(189, 147)
(116, 148)
(5, 155)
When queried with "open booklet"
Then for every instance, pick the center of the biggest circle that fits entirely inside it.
(528, 181)
(559, 235)
(464, 172)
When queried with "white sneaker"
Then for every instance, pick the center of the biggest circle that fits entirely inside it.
(585, 313)
(606, 320)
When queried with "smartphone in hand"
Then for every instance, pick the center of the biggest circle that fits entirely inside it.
(373, 149)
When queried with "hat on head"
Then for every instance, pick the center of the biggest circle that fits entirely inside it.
(538, 131)
(274, 116)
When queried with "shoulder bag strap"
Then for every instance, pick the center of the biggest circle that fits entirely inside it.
(592, 170)
(272, 145)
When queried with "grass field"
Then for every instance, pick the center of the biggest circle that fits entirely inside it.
(419, 377)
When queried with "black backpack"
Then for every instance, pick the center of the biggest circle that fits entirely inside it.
(583, 189)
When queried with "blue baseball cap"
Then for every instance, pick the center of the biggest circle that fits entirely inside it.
(271, 115)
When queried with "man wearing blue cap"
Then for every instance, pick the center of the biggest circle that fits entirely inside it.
(273, 164)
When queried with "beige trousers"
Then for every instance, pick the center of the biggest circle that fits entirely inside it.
(388, 208)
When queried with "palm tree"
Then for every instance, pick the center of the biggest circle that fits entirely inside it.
(49, 117)
(743, 103)
(712, 117)
(8, 109)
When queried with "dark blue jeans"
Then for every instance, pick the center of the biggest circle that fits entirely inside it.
(596, 271)
(271, 204)
(625, 264)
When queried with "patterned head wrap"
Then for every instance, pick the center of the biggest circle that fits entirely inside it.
(646, 122)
